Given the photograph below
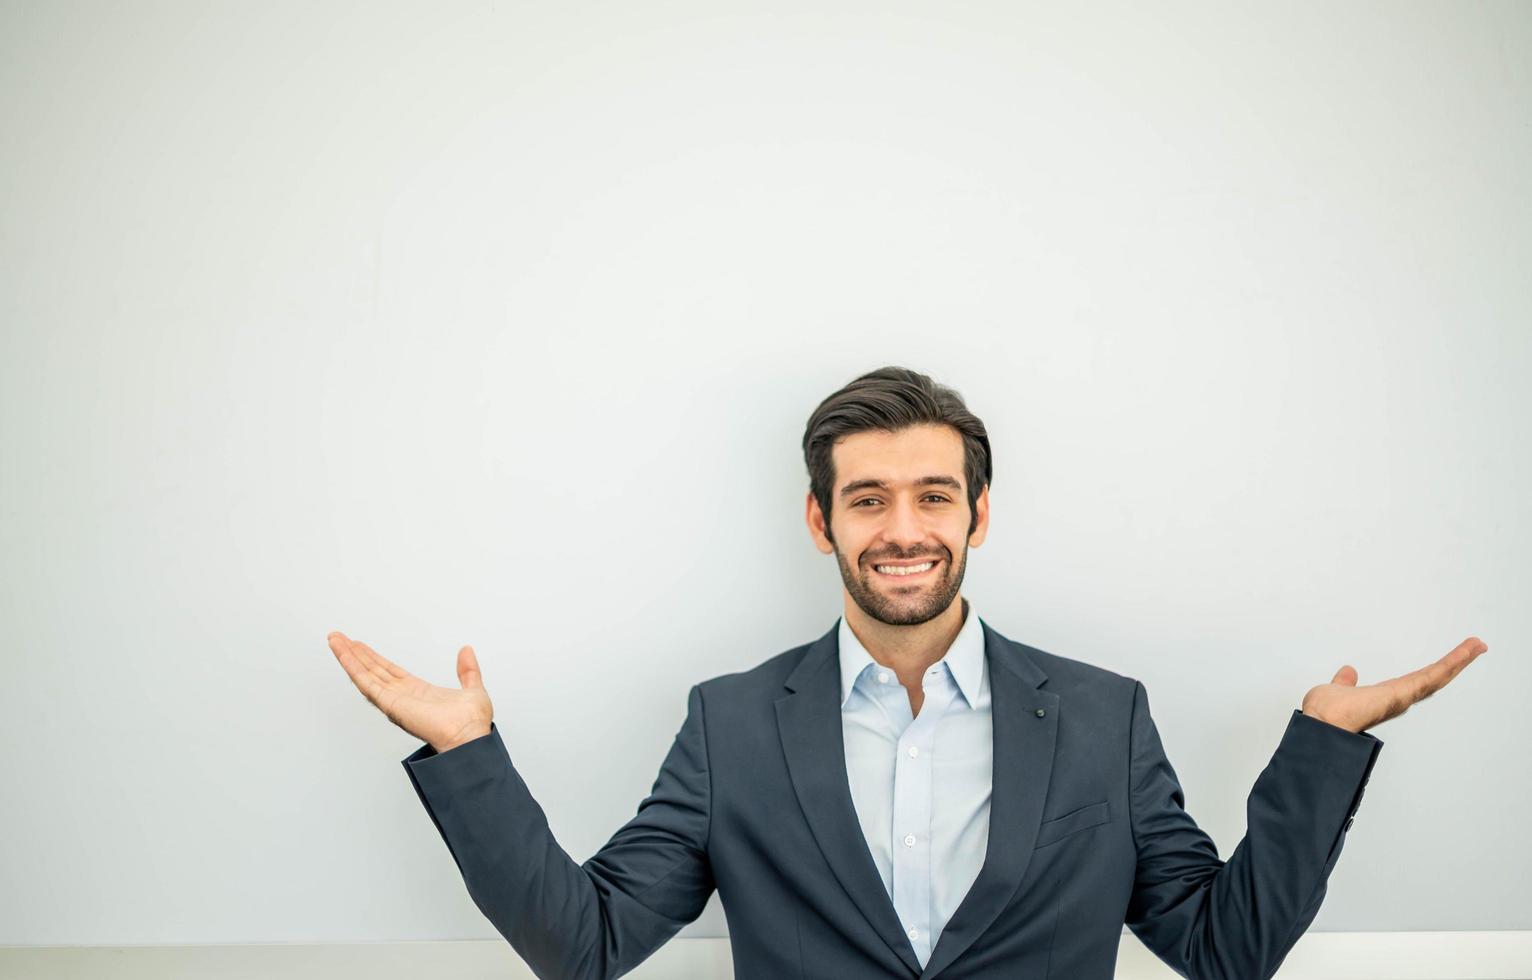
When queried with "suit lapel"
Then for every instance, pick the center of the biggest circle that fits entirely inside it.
(809, 723)
(1023, 764)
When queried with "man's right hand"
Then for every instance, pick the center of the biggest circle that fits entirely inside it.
(440, 716)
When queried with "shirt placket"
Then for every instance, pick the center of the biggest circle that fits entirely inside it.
(913, 788)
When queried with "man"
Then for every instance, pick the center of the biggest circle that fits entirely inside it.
(912, 794)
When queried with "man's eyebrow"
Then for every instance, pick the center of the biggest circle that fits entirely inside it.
(926, 481)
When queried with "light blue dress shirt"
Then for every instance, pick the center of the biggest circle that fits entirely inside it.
(921, 784)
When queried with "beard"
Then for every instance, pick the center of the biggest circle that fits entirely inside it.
(905, 605)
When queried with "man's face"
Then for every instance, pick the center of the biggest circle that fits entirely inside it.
(900, 499)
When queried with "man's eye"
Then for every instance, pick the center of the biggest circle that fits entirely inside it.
(873, 500)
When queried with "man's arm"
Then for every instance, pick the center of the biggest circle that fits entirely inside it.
(593, 921)
(1210, 919)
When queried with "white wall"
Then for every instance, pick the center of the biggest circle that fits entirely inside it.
(499, 324)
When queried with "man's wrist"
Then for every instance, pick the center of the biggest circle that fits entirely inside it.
(471, 736)
(1319, 717)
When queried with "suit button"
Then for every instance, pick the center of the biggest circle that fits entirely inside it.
(1040, 712)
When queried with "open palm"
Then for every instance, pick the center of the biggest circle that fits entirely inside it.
(440, 716)
(1341, 702)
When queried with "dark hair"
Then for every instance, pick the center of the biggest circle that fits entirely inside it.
(890, 399)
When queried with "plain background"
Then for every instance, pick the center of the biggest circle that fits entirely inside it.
(499, 324)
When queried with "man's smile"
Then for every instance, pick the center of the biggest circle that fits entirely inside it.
(906, 571)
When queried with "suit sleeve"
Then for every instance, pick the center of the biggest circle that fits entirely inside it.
(591, 921)
(1208, 919)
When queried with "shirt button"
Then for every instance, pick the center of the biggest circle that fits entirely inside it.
(914, 751)
(914, 934)
(882, 678)
(909, 840)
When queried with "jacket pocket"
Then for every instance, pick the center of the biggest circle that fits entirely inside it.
(1072, 823)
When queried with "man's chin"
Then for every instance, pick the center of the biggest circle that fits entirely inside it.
(898, 591)
(903, 608)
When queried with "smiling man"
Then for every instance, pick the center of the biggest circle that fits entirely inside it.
(912, 794)
(902, 537)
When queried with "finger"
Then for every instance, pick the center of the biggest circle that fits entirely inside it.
(1445, 669)
(388, 665)
(1464, 654)
(468, 668)
(364, 657)
(1421, 684)
(360, 675)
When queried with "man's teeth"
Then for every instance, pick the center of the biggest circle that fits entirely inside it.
(910, 570)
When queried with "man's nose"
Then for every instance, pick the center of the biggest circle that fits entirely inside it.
(906, 525)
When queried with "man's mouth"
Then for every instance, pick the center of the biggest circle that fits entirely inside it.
(906, 571)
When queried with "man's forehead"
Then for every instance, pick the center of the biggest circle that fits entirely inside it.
(884, 460)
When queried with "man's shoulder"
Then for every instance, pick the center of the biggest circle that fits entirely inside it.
(1087, 690)
(770, 675)
(1062, 670)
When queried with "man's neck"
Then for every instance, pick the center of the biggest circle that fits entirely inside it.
(907, 650)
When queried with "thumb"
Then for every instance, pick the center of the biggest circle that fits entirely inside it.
(1346, 675)
(468, 669)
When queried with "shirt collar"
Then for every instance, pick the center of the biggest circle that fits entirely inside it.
(964, 659)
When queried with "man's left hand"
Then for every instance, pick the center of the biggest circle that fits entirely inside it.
(1343, 704)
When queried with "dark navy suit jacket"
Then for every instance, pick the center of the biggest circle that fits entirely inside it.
(1087, 832)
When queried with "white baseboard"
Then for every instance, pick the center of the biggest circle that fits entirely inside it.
(1317, 956)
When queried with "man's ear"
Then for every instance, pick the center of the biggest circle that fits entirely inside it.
(818, 528)
(981, 527)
